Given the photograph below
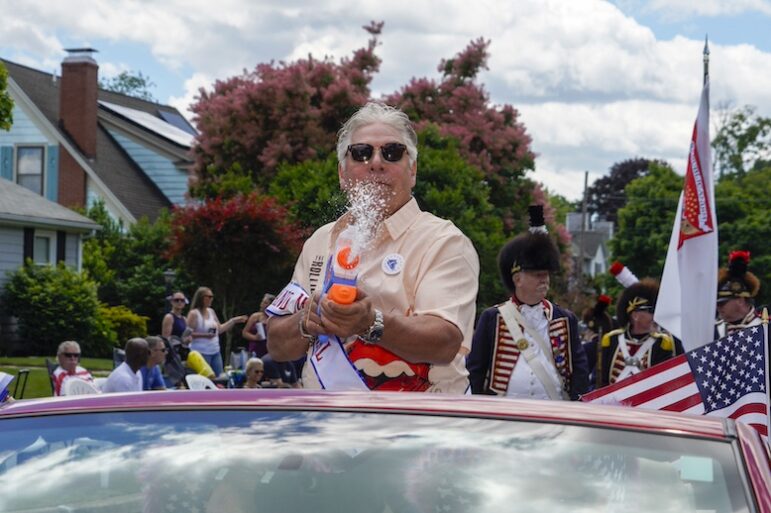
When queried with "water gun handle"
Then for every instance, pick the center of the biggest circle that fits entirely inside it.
(342, 293)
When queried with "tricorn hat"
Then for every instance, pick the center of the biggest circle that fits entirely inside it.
(533, 250)
(640, 296)
(735, 280)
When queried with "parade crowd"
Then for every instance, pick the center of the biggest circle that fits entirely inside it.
(408, 321)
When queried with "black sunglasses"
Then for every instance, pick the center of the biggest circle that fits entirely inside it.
(391, 152)
(177, 299)
(72, 355)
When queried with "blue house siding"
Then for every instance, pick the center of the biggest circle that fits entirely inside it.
(11, 251)
(171, 180)
(24, 132)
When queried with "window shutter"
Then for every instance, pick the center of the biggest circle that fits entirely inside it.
(6, 162)
(29, 243)
(61, 246)
(52, 173)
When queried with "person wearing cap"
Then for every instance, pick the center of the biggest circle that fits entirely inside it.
(637, 344)
(411, 322)
(527, 346)
(736, 291)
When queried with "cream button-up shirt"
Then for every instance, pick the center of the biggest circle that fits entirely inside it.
(417, 264)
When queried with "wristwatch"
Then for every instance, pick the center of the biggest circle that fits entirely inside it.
(374, 332)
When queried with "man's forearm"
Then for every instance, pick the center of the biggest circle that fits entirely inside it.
(421, 338)
(285, 343)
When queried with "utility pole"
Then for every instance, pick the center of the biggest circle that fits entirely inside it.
(580, 273)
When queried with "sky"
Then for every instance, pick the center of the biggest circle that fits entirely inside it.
(596, 82)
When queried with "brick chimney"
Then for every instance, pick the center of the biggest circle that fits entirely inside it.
(77, 116)
(77, 98)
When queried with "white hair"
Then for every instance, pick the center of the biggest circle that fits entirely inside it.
(370, 114)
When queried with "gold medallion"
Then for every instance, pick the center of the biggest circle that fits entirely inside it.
(522, 344)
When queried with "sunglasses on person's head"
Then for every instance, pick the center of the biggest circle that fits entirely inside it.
(71, 355)
(391, 152)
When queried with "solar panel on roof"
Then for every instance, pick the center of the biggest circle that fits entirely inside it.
(152, 123)
(177, 120)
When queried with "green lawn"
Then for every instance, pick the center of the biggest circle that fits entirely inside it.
(38, 384)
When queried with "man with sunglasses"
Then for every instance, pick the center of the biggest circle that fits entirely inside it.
(637, 344)
(152, 379)
(68, 355)
(411, 323)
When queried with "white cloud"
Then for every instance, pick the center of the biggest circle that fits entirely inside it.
(193, 85)
(594, 85)
(685, 8)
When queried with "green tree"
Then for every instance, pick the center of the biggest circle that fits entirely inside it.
(743, 142)
(744, 221)
(129, 264)
(130, 83)
(6, 102)
(240, 248)
(645, 222)
(608, 193)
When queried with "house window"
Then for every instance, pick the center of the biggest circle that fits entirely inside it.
(44, 247)
(29, 167)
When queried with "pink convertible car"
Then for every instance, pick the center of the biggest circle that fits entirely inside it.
(234, 451)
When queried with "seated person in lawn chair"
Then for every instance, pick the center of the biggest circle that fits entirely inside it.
(68, 355)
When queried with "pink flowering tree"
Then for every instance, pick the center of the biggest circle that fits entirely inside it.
(279, 112)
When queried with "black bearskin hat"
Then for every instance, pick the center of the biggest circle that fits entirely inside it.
(533, 250)
(736, 281)
(597, 317)
(640, 296)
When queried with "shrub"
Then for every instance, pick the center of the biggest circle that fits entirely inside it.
(124, 323)
(53, 304)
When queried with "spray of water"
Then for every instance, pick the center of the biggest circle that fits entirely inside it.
(367, 204)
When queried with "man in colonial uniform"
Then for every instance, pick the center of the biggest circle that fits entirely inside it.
(736, 290)
(637, 344)
(528, 347)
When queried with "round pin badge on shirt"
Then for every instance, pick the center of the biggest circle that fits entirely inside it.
(393, 264)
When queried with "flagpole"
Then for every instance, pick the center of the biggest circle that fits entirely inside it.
(764, 318)
(706, 59)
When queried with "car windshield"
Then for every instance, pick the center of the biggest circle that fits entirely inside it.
(269, 461)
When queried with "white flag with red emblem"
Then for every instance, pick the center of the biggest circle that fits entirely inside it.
(687, 297)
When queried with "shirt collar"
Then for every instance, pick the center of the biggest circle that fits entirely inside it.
(396, 224)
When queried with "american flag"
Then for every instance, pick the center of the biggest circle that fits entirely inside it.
(725, 378)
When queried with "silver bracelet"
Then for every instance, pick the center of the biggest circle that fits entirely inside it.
(310, 338)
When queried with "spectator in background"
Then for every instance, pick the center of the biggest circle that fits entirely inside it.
(126, 377)
(254, 330)
(255, 370)
(174, 322)
(68, 355)
(279, 374)
(152, 379)
(207, 328)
